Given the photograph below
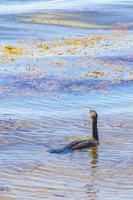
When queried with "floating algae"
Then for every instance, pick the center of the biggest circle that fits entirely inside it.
(12, 50)
(44, 47)
(95, 74)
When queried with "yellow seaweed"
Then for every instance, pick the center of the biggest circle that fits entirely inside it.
(95, 74)
(12, 50)
(44, 47)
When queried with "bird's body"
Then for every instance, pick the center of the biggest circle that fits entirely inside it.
(82, 144)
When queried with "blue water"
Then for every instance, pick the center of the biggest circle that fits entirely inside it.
(41, 111)
(21, 6)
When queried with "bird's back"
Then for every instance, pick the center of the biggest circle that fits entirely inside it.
(84, 144)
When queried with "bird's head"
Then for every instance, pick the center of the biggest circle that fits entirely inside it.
(93, 114)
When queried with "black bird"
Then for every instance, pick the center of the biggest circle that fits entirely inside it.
(83, 144)
(88, 143)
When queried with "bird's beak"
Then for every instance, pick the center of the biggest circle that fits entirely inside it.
(90, 109)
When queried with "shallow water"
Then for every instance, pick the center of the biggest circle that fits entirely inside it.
(42, 110)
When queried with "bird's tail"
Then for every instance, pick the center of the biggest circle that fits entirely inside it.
(64, 150)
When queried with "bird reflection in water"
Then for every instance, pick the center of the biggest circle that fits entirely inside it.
(94, 156)
(91, 188)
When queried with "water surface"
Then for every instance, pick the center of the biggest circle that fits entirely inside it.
(46, 96)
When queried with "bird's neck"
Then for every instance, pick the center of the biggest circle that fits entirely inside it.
(94, 129)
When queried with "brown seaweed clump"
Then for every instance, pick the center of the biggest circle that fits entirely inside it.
(44, 47)
(11, 50)
(95, 74)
